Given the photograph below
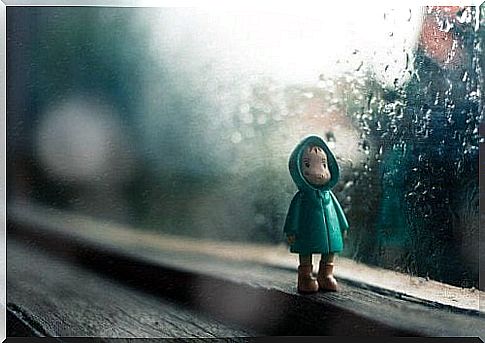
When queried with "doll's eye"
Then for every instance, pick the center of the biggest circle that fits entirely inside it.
(307, 164)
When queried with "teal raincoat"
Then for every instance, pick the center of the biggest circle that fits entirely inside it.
(315, 217)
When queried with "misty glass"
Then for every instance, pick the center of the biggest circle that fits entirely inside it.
(182, 121)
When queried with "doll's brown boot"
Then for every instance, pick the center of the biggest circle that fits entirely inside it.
(306, 282)
(325, 278)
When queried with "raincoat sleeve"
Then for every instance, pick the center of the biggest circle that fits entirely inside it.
(291, 222)
(344, 225)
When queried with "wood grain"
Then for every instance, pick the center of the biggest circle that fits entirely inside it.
(259, 298)
(68, 300)
(133, 239)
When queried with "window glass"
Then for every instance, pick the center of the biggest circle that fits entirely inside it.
(182, 121)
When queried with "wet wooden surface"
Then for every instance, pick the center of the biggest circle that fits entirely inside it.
(58, 298)
(133, 239)
(67, 282)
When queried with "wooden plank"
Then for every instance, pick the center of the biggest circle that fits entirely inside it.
(254, 296)
(235, 303)
(352, 311)
(57, 298)
(380, 280)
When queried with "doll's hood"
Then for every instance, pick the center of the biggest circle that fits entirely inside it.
(295, 164)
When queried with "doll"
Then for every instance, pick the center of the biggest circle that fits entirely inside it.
(315, 221)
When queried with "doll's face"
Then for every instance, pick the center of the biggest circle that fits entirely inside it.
(314, 166)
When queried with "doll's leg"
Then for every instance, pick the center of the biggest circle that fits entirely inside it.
(328, 258)
(305, 260)
(325, 278)
(306, 281)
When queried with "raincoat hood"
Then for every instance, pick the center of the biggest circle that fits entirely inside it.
(295, 165)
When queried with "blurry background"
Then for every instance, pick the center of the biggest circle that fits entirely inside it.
(181, 120)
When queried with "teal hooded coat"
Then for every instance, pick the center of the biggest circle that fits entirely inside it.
(315, 217)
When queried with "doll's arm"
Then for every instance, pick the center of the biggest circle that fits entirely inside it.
(344, 224)
(291, 222)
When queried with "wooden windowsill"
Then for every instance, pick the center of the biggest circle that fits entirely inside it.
(238, 282)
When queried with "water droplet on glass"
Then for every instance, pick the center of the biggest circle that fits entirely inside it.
(244, 108)
(330, 136)
(236, 137)
(262, 119)
(348, 185)
(308, 95)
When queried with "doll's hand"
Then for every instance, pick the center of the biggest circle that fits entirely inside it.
(291, 239)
